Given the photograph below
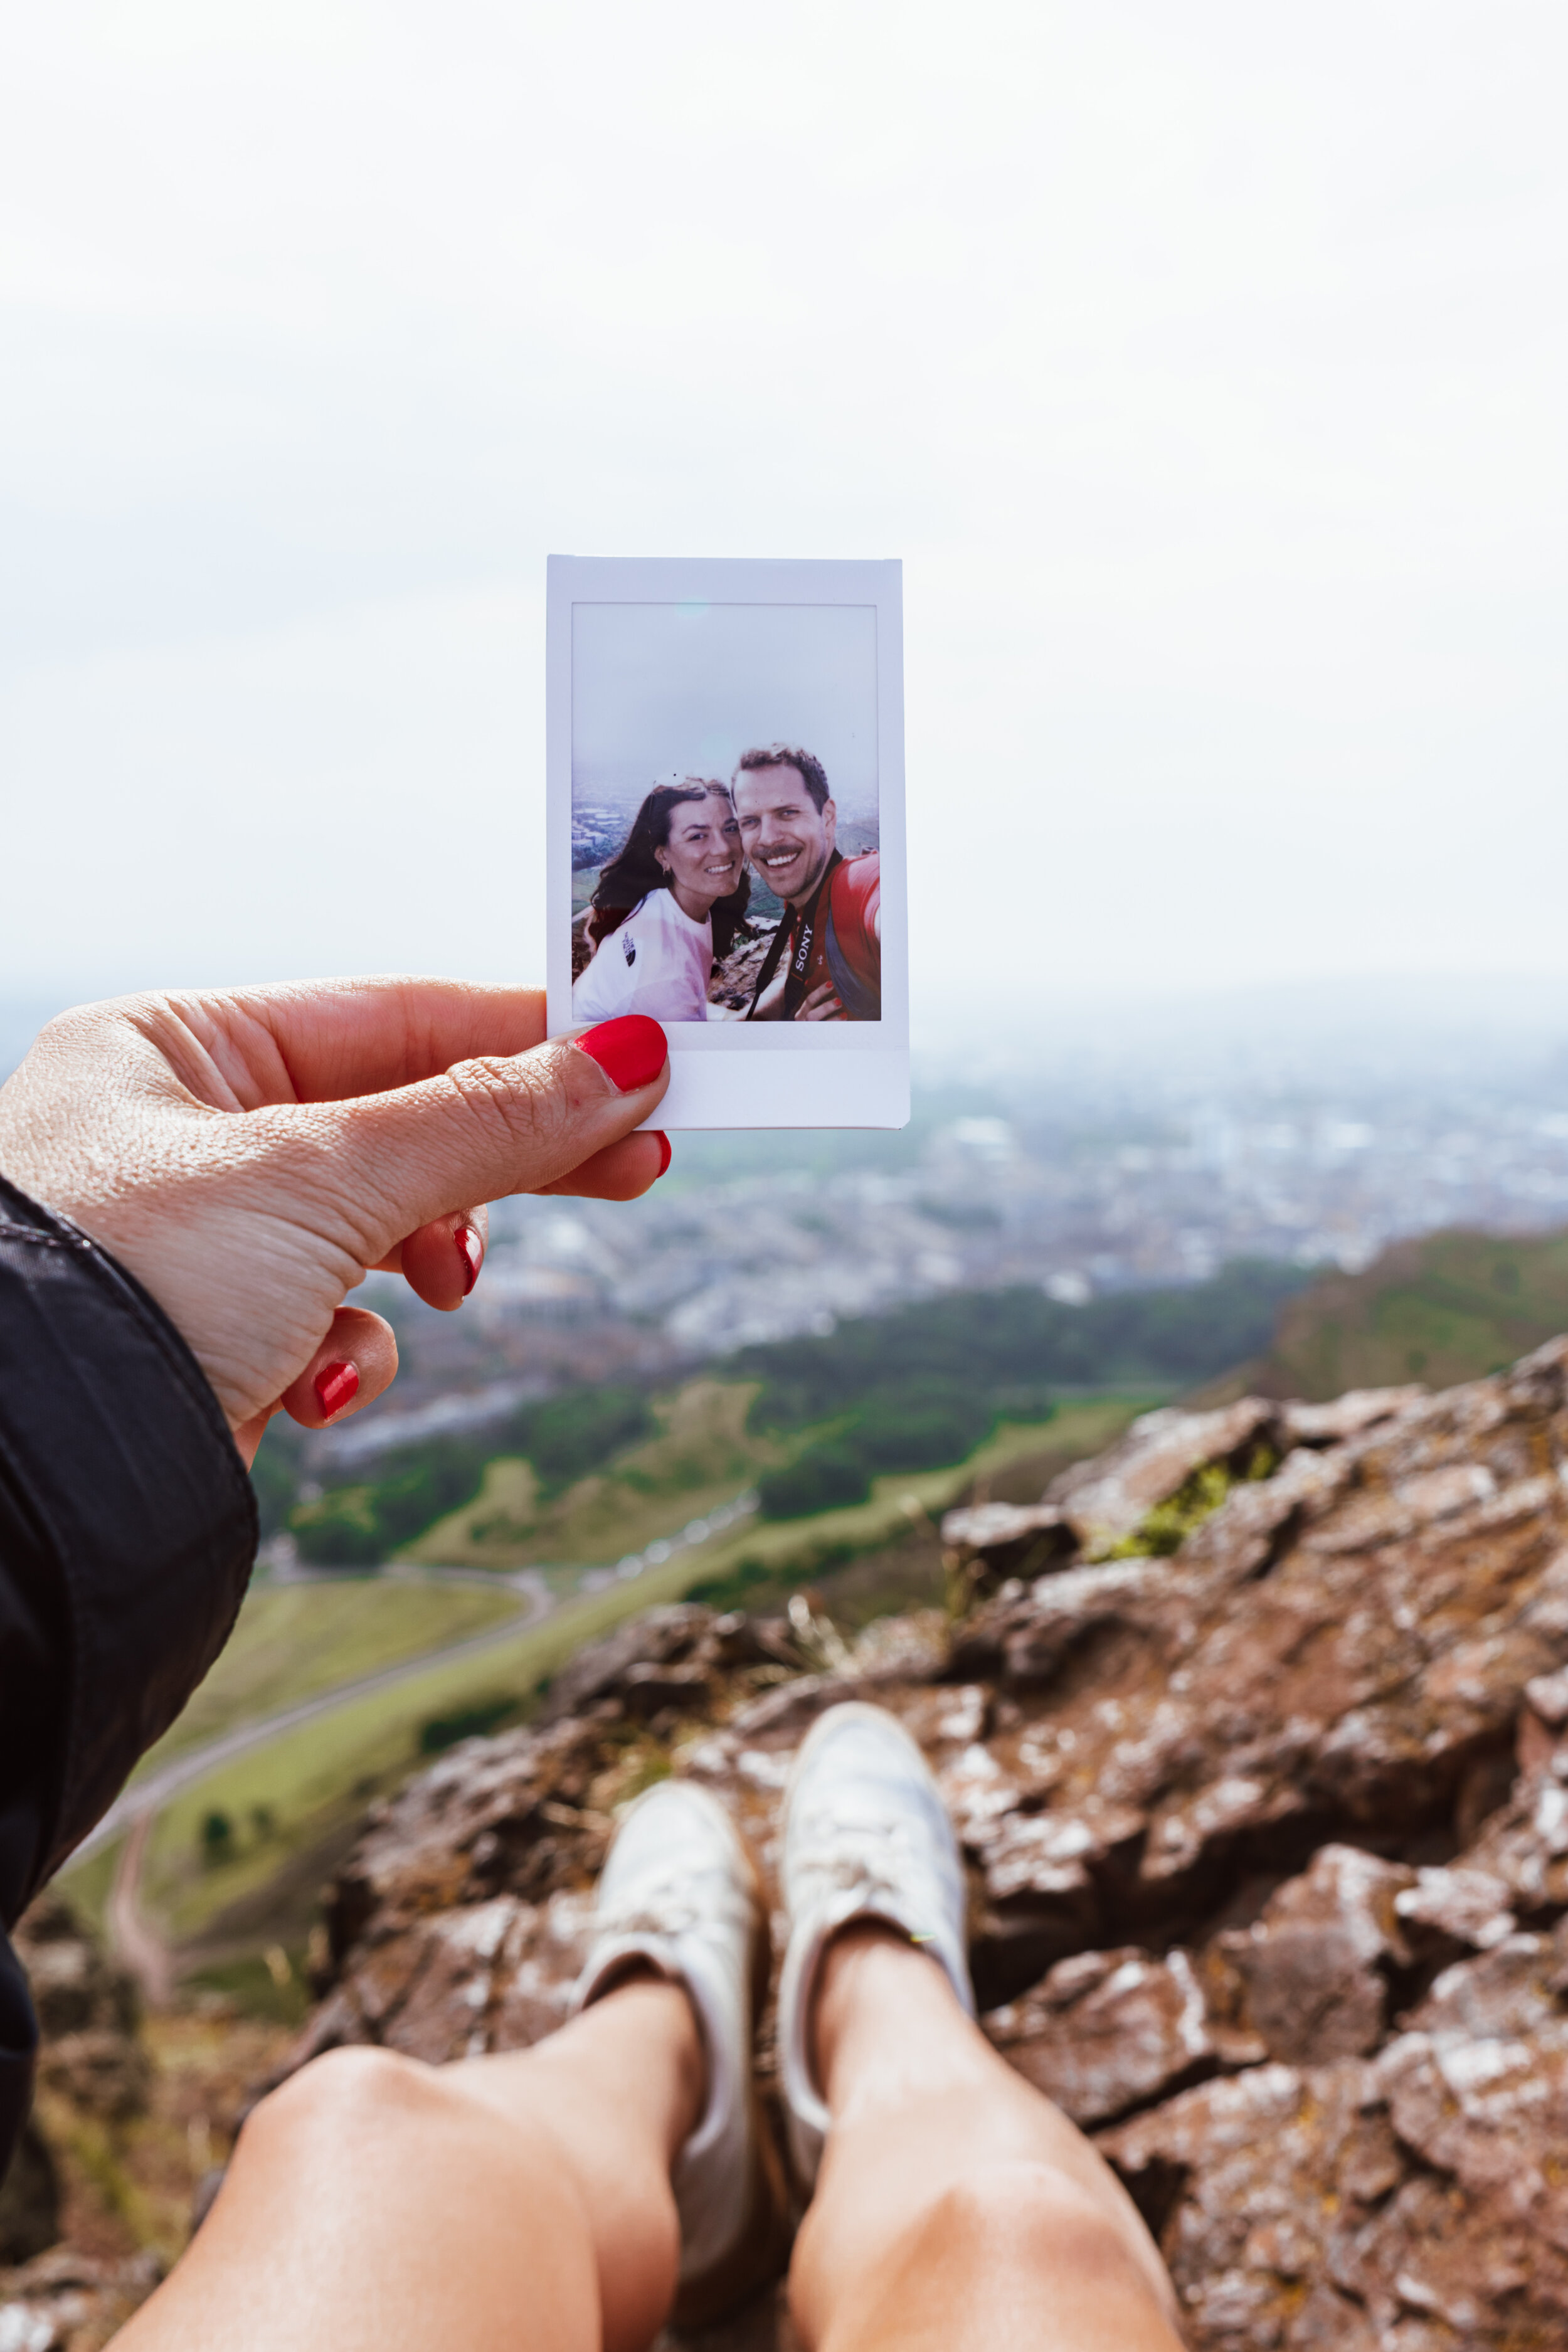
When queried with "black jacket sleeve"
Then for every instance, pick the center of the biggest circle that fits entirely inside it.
(127, 1535)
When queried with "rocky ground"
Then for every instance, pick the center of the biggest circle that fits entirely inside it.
(133, 2119)
(1255, 1735)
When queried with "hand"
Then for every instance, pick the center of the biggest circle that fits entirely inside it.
(820, 1004)
(250, 1154)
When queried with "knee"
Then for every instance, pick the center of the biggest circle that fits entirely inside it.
(1020, 2213)
(1020, 2223)
(343, 2100)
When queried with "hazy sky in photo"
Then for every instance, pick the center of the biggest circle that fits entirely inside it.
(1206, 365)
(661, 691)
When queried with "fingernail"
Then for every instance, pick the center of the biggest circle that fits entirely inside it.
(663, 1152)
(471, 1250)
(336, 1385)
(631, 1052)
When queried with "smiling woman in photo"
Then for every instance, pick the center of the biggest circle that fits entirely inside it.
(664, 907)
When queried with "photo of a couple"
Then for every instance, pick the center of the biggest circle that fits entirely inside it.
(737, 899)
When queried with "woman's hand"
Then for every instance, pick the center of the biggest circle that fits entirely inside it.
(252, 1153)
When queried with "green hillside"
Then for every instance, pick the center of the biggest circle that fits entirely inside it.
(294, 1641)
(1451, 1306)
(701, 1453)
(288, 1810)
(814, 1424)
(924, 1385)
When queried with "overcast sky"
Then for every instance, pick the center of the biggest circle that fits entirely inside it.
(659, 691)
(1204, 364)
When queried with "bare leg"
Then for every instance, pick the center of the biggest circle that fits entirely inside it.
(511, 2204)
(956, 2210)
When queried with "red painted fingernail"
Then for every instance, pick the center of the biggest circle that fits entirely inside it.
(631, 1052)
(663, 1152)
(336, 1385)
(471, 1250)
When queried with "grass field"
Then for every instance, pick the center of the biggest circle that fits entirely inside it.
(88, 1882)
(298, 1793)
(1449, 1307)
(702, 1455)
(805, 1548)
(295, 1640)
(299, 1796)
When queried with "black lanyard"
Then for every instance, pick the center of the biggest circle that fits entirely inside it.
(794, 987)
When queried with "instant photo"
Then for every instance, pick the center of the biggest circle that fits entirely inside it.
(726, 834)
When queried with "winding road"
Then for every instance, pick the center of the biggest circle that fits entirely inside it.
(154, 1790)
(135, 1943)
(134, 1809)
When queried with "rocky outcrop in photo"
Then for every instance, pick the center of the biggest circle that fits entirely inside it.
(1255, 1735)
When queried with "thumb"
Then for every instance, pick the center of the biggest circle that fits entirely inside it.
(385, 1164)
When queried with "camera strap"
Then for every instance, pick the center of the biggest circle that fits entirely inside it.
(804, 937)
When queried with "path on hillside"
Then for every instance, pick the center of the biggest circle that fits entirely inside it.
(136, 1944)
(149, 1795)
(132, 1937)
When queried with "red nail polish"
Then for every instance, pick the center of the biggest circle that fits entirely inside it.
(471, 1250)
(336, 1385)
(631, 1051)
(664, 1154)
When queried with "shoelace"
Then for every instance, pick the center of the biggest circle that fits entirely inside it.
(885, 1860)
(666, 1907)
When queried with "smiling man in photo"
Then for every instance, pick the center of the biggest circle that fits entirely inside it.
(825, 960)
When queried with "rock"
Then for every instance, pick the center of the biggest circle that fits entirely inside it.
(74, 1988)
(1346, 2204)
(1232, 2177)
(89, 2013)
(1548, 1695)
(1514, 1988)
(1016, 1539)
(1345, 1416)
(1492, 2114)
(661, 1637)
(1448, 1911)
(647, 1689)
(1339, 1649)
(1108, 2031)
(1525, 1842)
(125, 2138)
(1106, 1499)
(1315, 1966)
(102, 2072)
(65, 2301)
(506, 1814)
(1267, 1844)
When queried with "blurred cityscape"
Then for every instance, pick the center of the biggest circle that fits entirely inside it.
(1129, 1150)
(1134, 1169)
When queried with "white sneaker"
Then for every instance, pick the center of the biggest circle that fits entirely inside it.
(866, 1836)
(677, 1890)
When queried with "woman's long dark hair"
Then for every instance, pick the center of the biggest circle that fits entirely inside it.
(634, 870)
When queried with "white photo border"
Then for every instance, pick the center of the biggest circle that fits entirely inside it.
(786, 1074)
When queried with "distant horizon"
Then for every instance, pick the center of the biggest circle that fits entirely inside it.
(1412, 1022)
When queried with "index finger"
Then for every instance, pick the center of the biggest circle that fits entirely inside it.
(329, 1040)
